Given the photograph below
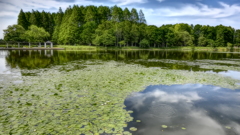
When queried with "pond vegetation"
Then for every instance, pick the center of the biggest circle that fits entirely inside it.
(84, 92)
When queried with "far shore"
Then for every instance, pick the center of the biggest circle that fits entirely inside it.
(34, 48)
(130, 48)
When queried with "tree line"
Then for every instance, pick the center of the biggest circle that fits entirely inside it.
(114, 26)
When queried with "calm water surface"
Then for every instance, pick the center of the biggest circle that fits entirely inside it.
(190, 109)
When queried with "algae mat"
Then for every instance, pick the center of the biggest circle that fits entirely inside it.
(89, 100)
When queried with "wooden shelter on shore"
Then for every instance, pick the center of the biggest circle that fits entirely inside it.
(19, 44)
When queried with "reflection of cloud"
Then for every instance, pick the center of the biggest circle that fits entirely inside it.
(175, 97)
(229, 110)
(181, 106)
(195, 120)
(162, 96)
(201, 124)
(236, 127)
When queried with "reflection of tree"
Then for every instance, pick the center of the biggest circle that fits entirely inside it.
(144, 54)
(38, 59)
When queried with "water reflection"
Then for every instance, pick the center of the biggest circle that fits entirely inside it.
(164, 59)
(185, 109)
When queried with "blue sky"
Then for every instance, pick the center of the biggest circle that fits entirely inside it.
(157, 12)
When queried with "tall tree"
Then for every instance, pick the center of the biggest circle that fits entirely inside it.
(197, 34)
(126, 15)
(22, 20)
(237, 37)
(58, 21)
(33, 18)
(134, 15)
(126, 32)
(117, 14)
(91, 14)
(135, 34)
(142, 17)
(87, 34)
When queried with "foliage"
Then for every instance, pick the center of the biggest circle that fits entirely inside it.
(85, 24)
(14, 33)
(144, 43)
(36, 34)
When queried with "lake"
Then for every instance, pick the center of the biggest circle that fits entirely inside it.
(126, 92)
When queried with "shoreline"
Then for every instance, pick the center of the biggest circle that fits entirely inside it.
(32, 48)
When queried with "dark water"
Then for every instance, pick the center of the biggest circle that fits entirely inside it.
(191, 109)
(163, 59)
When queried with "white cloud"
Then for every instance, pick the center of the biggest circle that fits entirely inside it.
(160, 0)
(126, 2)
(195, 14)
(199, 10)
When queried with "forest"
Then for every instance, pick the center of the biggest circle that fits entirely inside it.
(113, 26)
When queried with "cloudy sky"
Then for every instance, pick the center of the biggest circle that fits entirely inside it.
(157, 12)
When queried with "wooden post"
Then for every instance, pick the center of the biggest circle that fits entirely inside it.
(39, 44)
(51, 45)
(7, 45)
(29, 45)
(18, 45)
(45, 44)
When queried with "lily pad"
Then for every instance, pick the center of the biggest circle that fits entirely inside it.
(164, 126)
(133, 129)
(228, 127)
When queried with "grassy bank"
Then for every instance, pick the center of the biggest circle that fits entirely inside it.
(94, 48)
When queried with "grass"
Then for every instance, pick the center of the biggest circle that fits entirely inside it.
(81, 48)
(185, 48)
(95, 48)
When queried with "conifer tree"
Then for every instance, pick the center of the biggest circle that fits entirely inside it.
(134, 15)
(142, 17)
(22, 20)
(126, 15)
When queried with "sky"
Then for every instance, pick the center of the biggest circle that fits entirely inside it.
(157, 12)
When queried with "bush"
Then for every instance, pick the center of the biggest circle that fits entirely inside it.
(229, 45)
(144, 43)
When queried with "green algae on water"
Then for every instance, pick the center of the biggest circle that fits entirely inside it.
(85, 101)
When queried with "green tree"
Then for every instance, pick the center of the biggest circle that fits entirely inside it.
(103, 14)
(91, 14)
(58, 21)
(36, 34)
(22, 20)
(63, 35)
(142, 17)
(134, 34)
(126, 32)
(152, 34)
(14, 33)
(134, 15)
(237, 37)
(126, 15)
(202, 41)
(197, 33)
(144, 43)
(87, 34)
(117, 14)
